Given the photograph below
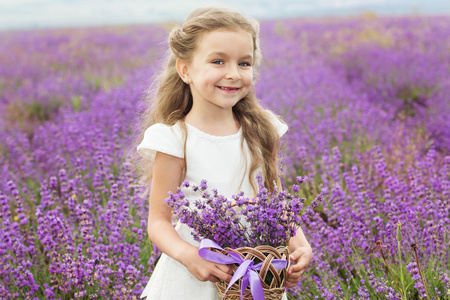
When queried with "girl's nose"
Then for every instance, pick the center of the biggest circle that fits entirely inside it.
(233, 73)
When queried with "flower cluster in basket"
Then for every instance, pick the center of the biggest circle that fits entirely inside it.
(267, 219)
(254, 232)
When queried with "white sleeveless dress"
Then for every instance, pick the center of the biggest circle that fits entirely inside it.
(220, 161)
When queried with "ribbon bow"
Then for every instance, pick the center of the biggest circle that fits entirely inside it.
(246, 269)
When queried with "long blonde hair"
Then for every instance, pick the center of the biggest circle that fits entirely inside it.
(173, 100)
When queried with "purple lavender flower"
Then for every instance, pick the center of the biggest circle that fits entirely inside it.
(267, 219)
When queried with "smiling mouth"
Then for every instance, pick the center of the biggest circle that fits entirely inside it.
(226, 88)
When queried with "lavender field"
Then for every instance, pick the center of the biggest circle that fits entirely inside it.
(367, 103)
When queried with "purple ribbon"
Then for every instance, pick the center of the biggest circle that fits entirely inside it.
(246, 269)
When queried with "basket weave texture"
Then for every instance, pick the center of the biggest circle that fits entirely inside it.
(273, 281)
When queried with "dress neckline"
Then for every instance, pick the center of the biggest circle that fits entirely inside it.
(214, 137)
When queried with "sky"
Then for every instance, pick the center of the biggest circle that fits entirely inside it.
(30, 14)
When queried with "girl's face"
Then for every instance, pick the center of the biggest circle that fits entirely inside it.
(220, 72)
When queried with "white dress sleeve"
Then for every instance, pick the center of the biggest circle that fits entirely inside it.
(280, 126)
(161, 138)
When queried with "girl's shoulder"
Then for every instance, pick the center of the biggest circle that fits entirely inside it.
(161, 128)
(161, 138)
(280, 126)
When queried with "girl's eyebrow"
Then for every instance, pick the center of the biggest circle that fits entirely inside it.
(248, 56)
(220, 53)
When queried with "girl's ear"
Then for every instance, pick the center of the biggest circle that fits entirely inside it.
(183, 70)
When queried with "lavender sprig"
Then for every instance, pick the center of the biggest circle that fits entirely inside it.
(267, 219)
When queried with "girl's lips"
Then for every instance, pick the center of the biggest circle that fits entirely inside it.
(228, 88)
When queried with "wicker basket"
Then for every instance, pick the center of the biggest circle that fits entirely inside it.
(273, 281)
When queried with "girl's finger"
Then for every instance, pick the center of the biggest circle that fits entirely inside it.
(222, 275)
(291, 281)
(296, 254)
(290, 284)
(224, 268)
(301, 264)
(296, 268)
(212, 278)
(295, 276)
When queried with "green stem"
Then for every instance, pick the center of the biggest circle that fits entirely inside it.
(401, 269)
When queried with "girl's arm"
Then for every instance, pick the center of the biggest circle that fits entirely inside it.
(167, 173)
(301, 255)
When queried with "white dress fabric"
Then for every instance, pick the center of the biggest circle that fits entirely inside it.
(217, 159)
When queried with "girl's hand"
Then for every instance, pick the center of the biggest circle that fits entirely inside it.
(205, 270)
(300, 259)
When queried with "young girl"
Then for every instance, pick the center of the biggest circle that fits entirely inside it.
(207, 124)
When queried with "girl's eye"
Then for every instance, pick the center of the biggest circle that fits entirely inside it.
(245, 64)
(217, 62)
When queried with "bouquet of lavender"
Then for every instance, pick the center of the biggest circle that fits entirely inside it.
(254, 232)
(267, 219)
